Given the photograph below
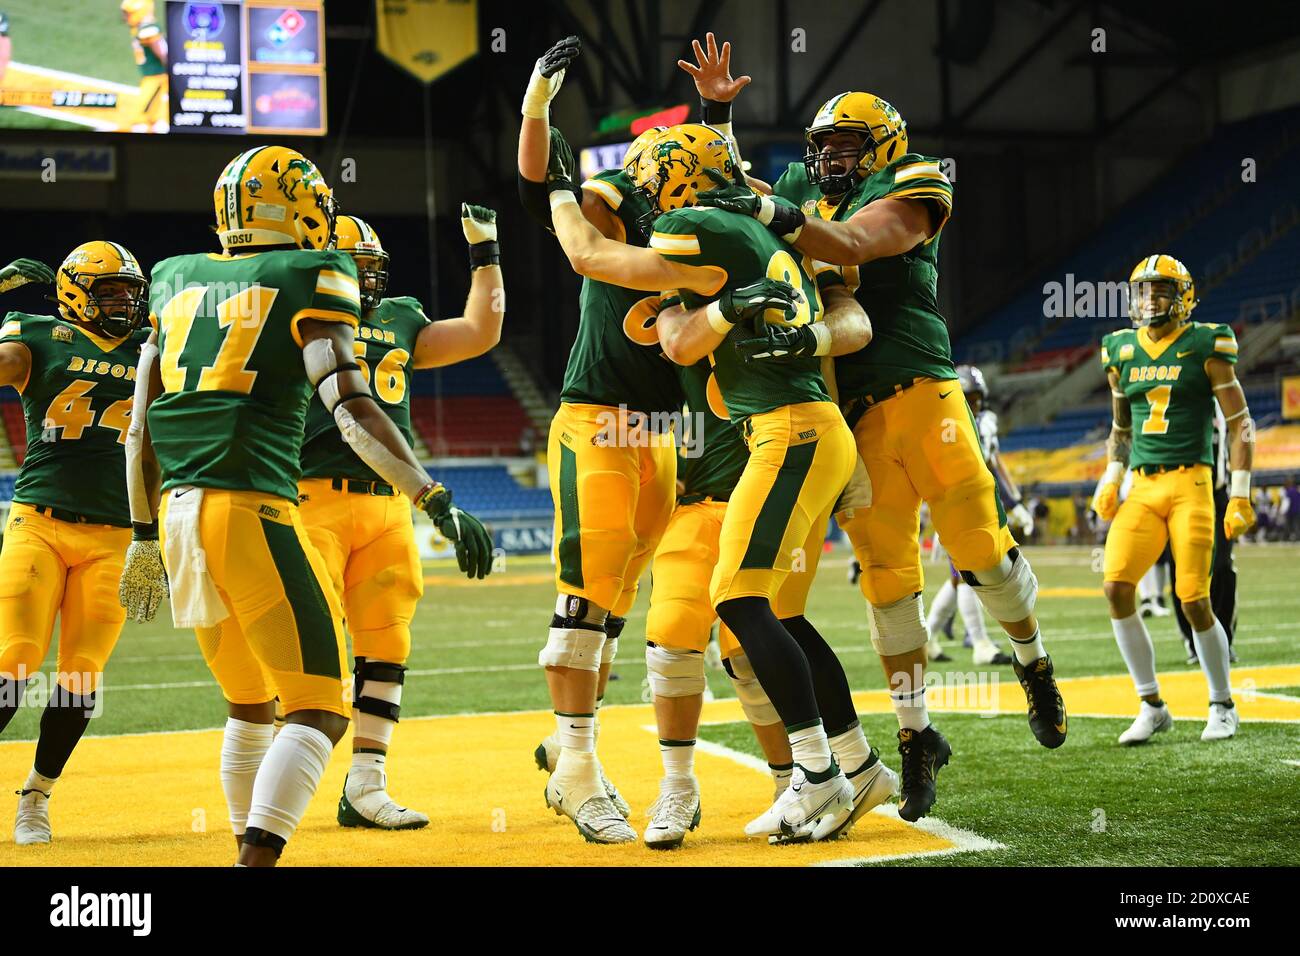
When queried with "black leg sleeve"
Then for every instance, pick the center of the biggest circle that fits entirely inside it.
(778, 662)
(834, 699)
(65, 719)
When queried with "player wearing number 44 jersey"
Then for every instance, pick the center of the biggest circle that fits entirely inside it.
(69, 526)
(244, 338)
(1165, 375)
(359, 522)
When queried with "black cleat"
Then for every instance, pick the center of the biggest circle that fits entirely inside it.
(923, 753)
(1047, 717)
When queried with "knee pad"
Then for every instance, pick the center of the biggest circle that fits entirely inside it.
(577, 636)
(753, 699)
(898, 628)
(613, 628)
(382, 672)
(1008, 590)
(673, 672)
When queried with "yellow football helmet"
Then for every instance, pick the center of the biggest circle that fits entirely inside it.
(635, 147)
(101, 285)
(669, 169)
(1153, 276)
(354, 236)
(273, 196)
(884, 139)
(137, 12)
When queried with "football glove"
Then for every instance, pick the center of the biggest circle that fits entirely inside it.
(1238, 518)
(1022, 519)
(561, 167)
(22, 271)
(749, 302)
(480, 227)
(781, 218)
(1105, 500)
(473, 543)
(144, 580)
(779, 344)
(548, 75)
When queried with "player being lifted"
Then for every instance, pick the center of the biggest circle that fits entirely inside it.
(149, 47)
(1165, 375)
(784, 409)
(244, 338)
(69, 526)
(361, 524)
(862, 202)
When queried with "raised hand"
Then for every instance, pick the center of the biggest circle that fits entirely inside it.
(712, 72)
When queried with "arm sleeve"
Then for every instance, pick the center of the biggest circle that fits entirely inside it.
(536, 202)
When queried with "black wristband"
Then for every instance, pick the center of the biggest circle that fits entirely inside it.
(484, 254)
(786, 219)
(141, 531)
(713, 113)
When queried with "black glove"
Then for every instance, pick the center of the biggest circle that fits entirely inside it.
(777, 343)
(559, 56)
(749, 302)
(22, 271)
(561, 167)
(780, 217)
(473, 543)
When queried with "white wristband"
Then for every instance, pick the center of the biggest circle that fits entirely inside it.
(1114, 473)
(766, 210)
(561, 197)
(717, 321)
(823, 335)
(1239, 484)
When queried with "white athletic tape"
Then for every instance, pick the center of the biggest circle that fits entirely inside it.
(577, 648)
(1012, 595)
(898, 628)
(753, 699)
(673, 672)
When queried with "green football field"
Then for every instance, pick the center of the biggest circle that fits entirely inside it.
(88, 37)
(1174, 801)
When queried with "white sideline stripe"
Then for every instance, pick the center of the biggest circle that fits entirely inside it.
(73, 77)
(102, 126)
(1293, 763)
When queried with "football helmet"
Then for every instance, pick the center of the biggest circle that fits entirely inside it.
(355, 237)
(273, 196)
(669, 169)
(884, 139)
(79, 289)
(137, 12)
(972, 381)
(635, 147)
(1160, 275)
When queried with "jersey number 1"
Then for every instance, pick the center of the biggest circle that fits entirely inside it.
(243, 316)
(1158, 400)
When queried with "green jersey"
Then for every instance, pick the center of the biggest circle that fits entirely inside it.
(713, 453)
(745, 251)
(385, 344)
(235, 391)
(1168, 389)
(77, 403)
(909, 337)
(616, 358)
(145, 58)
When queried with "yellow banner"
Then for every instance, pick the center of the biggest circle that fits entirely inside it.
(427, 38)
(1291, 397)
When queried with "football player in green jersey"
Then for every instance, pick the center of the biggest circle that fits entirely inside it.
(66, 535)
(861, 202)
(244, 338)
(359, 523)
(1165, 375)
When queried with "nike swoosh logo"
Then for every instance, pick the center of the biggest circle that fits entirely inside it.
(762, 443)
(1184, 354)
(185, 492)
(385, 321)
(943, 395)
(1060, 728)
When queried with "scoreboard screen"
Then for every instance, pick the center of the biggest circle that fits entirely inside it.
(160, 66)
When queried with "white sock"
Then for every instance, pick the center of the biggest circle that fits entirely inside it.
(576, 731)
(1212, 649)
(810, 748)
(678, 757)
(1029, 649)
(1138, 652)
(36, 781)
(972, 615)
(372, 726)
(1149, 586)
(366, 773)
(243, 745)
(942, 608)
(288, 778)
(850, 748)
(595, 722)
(781, 776)
(910, 708)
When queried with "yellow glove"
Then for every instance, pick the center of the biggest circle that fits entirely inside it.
(1239, 518)
(1105, 500)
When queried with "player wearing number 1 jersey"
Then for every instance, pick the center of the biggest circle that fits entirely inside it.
(69, 526)
(359, 522)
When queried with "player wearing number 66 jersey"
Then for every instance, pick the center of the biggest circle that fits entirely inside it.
(69, 526)
(1165, 376)
(244, 338)
(359, 522)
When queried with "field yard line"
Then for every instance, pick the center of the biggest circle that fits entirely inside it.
(48, 73)
(1293, 763)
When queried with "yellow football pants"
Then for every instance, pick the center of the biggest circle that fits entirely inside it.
(613, 485)
(368, 545)
(680, 614)
(284, 636)
(800, 458)
(50, 567)
(920, 445)
(1175, 506)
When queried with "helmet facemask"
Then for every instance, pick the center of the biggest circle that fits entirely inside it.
(372, 275)
(819, 161)
(1154, 302)
(116, 304)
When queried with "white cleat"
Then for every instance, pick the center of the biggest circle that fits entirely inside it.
(802, 803)
(548, 752)
(369, 805)
(1223, 722)
(873, 784)
(33, 823)
(674, 813)
(584, 802)
(1151, 720)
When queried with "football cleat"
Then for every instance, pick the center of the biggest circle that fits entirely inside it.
(548, 752)
(873, 784)
(1047, 718)
(585, 803)
(1223, 722)
(1193, 660)
(990, 655)
(803, 802)
(33, 822)
(923, 753)
(1151, 719)
(369, 805)
(675, 812)
(935, 652)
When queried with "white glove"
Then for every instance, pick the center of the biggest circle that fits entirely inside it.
(478, 223)
(144, 581)
(1022, 519)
